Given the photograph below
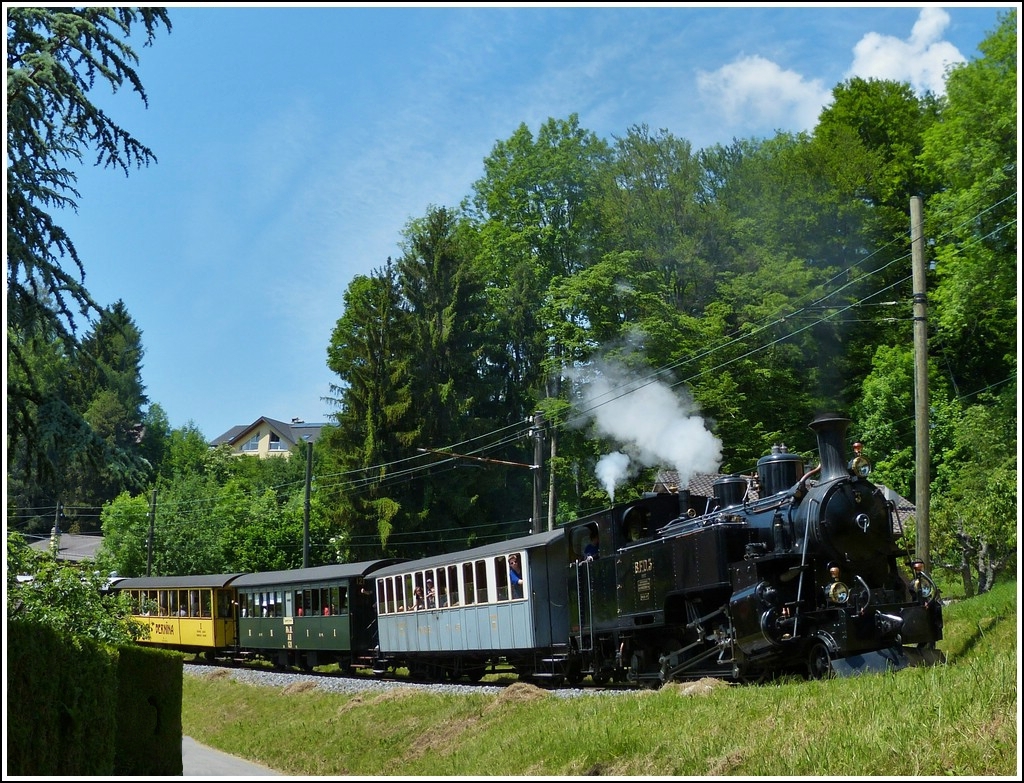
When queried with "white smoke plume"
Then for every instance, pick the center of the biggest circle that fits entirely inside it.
(611, 470)
(655, 425)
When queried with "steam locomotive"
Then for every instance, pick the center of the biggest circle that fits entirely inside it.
(805, 578)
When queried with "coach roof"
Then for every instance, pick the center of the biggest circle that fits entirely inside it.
(173, 582)
(535, 541)
(315, 574)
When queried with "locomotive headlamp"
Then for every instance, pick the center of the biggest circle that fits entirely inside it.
(838, 593)
(923, 588)
(922, 585)
(859, 465)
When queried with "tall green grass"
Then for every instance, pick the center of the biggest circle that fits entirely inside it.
(959, 719)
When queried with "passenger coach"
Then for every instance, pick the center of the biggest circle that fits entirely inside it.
(310, 616)
(194, 614)
(454, 615)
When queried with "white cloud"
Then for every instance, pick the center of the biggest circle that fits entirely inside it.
(753, 92)
(921, 60)
(759, 89)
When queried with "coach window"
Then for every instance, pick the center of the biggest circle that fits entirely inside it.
(481, 581)
(410, 595)
(395, 593)
(453, 585)
(321, 599)
(400, 593)
(383, 605)
(468, 591)
(501, 577)
(441, 587)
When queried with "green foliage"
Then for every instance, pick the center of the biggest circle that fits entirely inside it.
(974, 149)
(884, 420)
(260, 534)
(66, 599)
(55, 57)
(369, 353)
(125, 546)
(974, 520)
(187, 452)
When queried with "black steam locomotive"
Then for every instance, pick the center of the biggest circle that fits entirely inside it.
(806, 578)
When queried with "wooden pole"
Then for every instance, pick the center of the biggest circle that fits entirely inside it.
(922, 467)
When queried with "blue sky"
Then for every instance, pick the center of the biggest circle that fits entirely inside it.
(295, 142)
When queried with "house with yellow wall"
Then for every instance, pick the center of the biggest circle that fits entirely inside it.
(267, 437)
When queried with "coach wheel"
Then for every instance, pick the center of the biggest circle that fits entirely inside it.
(819, 661)
(475, 672)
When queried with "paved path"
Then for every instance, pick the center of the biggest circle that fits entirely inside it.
(202, 761)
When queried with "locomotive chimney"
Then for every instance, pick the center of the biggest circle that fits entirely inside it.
(831, 431)
(684, 503)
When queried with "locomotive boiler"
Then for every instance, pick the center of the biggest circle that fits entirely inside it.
(805, 578)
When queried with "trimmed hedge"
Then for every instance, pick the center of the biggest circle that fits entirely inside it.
(149, 712)
(75, 707)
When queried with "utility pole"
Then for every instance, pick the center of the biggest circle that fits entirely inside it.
(922, 464)
(55, 533)
(538, 460)
(152, 524)
(305, 515)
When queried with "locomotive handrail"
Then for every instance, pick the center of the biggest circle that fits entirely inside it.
(720, 515)
(867, 590)
(814, 504)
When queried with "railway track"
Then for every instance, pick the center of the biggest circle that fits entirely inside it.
(344, 682)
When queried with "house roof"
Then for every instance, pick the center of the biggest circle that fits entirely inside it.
(73, 548)
(700, 483)
(290, 433)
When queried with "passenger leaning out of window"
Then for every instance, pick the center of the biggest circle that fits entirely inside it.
(515, 575)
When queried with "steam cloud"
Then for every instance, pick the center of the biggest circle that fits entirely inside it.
(654, 425)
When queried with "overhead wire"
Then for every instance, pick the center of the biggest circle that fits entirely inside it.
(408, 468)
